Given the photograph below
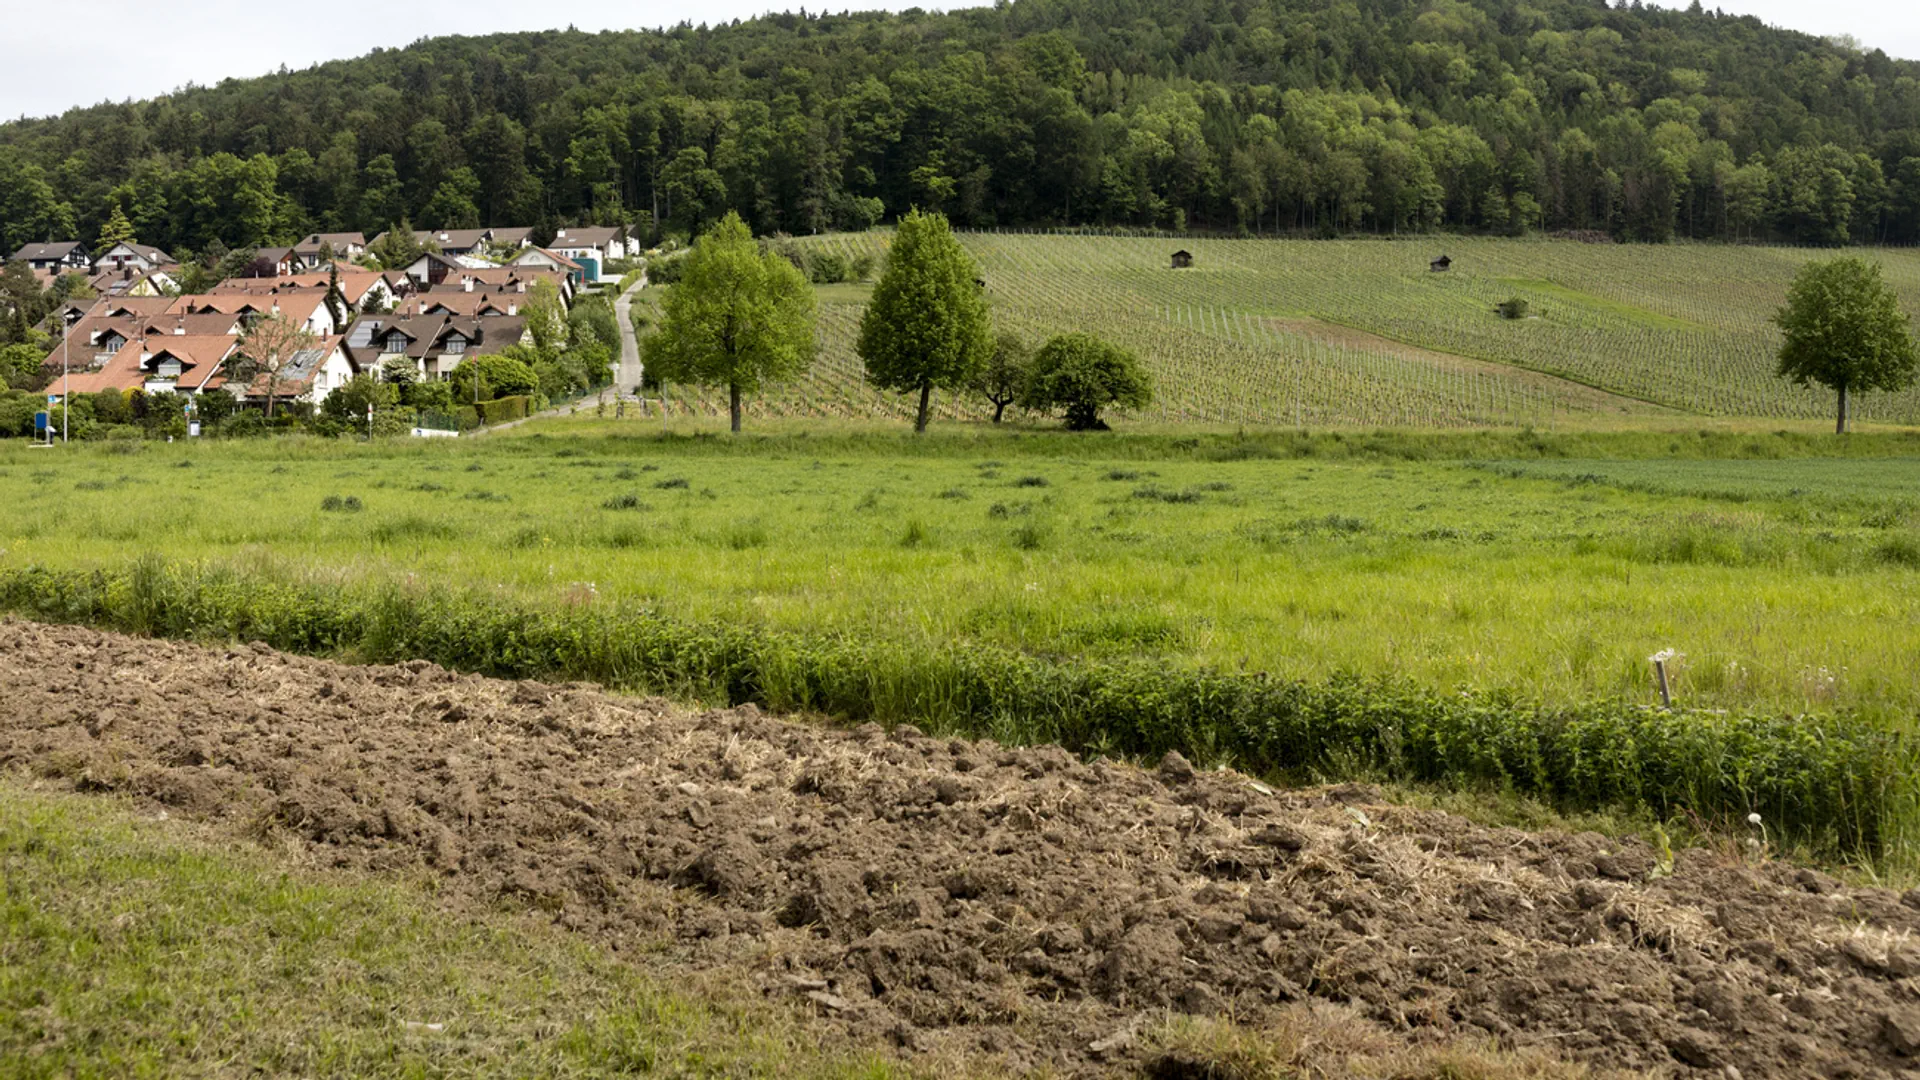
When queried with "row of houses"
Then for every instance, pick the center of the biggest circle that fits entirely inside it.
(131, 269)
(190, 344)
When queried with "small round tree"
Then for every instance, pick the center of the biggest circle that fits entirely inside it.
(1082, 375)
(1845, 330)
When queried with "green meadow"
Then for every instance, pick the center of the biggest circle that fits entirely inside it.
(1550, 568)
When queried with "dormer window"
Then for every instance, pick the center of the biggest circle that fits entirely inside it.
(396, 342)
(456, 345)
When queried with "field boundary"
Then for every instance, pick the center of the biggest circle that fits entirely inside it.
(1837, 784)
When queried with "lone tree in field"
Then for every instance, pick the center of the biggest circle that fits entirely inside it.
(270, 344)
(927, 324)
(1083, 374)
(1845, 331)
(739, 318)
(1005, 373)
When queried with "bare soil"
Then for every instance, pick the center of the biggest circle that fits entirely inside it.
(957, 896)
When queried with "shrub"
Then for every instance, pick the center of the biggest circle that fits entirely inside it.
(629, 501)
(335, 504)
(1081, 374)
(1513, 308)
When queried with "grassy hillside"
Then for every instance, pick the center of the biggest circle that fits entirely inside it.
(1316, 333)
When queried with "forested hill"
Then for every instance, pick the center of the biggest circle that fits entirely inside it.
(1366, 115)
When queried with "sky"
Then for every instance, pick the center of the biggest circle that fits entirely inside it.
(55, 59)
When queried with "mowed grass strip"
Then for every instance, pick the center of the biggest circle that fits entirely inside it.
(132, 948)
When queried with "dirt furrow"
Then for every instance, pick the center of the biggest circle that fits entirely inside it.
(962, 896)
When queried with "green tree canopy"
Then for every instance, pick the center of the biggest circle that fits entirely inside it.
(117, 230)
(927, 324)
(1845, 330)
(739, 317)
(1004, 375)
(499, 376)
(1082, 375)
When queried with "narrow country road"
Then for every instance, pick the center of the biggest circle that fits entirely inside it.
(626, 379)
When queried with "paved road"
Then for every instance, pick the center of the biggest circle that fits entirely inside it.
(626, 380)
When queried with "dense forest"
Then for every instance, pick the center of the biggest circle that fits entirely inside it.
(1497, 116)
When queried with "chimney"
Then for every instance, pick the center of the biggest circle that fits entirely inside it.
(179, 324)
(512, 309)
(466, 284)
(560, 235)
(519, 286)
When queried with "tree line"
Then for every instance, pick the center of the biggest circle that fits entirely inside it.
(1494, 116)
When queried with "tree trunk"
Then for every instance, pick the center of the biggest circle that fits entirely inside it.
(999, 407)
(733, 392)
(926, 400)
(1840, 428)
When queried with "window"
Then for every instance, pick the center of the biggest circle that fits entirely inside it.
(113, 343)
(396, 342)
(456, 345)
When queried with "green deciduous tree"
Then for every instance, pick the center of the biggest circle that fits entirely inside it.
(927, 325)
(1845, 330)
(739, 317)
(1082, 375)
(498, 375)
(1004, 375)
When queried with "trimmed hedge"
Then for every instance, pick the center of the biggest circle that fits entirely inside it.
(501, 410)
(1839, 784)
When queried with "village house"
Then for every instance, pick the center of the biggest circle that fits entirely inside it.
(312, 252)
(434, 344)
(308, 375)
(505, 279)
(591, 247)
(304, 307)
(545, 259)
(433, 268)
(62, 257)
(356, 286)
(131, 256)
(162, 364)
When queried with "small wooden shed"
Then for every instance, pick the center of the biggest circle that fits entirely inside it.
(1182, 260)
(1440, 265)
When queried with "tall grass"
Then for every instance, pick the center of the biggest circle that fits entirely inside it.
(1832, 782)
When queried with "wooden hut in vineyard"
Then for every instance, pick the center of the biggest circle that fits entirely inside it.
(1182, 260)
(1440, 265)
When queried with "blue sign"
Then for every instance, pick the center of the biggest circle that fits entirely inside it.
(40, 421)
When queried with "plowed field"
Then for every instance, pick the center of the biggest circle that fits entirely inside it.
(947, 895)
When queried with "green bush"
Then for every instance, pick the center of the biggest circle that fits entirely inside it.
(1837, 783)
(501, 410)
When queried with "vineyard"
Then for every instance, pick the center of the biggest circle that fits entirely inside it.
(1316, 333)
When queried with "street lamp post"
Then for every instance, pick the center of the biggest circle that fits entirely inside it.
(66, 399)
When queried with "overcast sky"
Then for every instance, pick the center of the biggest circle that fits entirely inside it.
(55, 59)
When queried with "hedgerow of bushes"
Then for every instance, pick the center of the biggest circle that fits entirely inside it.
(1835, 783)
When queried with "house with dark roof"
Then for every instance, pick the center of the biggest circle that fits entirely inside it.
(434, 343)
(342, 245)
(62, 256)
(591, 247)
